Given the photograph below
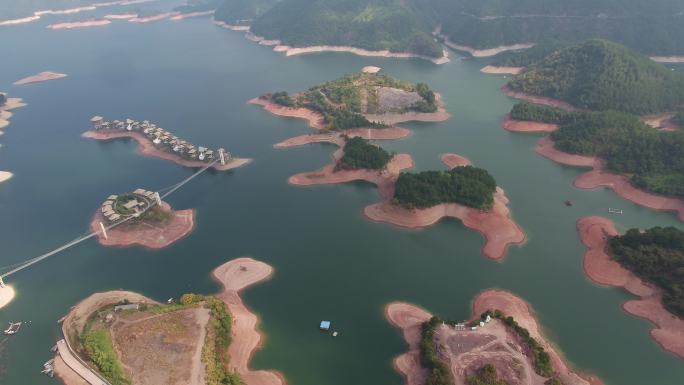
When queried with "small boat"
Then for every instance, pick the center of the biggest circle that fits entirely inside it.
(48, 368)
(170, 300)
(568, 203)
(59, 321)
(334, 334)
(13, 328)
(615, 211)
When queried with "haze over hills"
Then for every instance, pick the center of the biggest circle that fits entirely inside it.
(600, 75)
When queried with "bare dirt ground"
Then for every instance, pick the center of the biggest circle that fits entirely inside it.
(495, 70)
(392, 118)
(602, 269)
(152, 235)
(543, 100)
(395, 100)
(466, 351)
(41, 77)
(526, 126)
(162, 348)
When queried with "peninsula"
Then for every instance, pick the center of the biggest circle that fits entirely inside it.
(360, 100)
(6, 106)
(125, 337)
(464, 192)
(41, 77)
(501, 344)
(140, 218)
(156, 142)
(647, 264)
(636, 156)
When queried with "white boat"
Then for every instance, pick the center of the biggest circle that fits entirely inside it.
(201, 156)
(129, 127)
(13, 328)
(156, 140)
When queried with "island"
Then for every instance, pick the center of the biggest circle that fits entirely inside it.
(157, 142)
(41, 77)
(362, 100)
(636, 155)
(362, 27)
(7, 104)
(125, 337)
(467, 193)
(140, 218)
(501, 344)
(80, 24)
(646, 263)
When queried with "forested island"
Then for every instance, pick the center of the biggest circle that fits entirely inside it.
(601, 75)
(655, 255)
(360, 100)
(360, 154)
(471, 186)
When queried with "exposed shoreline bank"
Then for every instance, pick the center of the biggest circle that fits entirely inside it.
(496, 225)
(499, 70)
(147, 148)
(234, 277)
(409, 319)
(543, 100)
(668, 329)
(293, 51)
(177, 226)
(41, 77)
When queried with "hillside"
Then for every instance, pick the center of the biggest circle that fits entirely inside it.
(600, 75)
(392, 25)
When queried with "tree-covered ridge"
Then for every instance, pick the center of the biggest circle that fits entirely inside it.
(344, 102)
(600, 75)
(360, 154)
(653, 159)
(438, 372)
(470, 186)
(242, 12)
(657, 256)
(392, 25)
(525, 57)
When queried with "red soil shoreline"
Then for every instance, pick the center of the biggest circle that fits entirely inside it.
(149, 235)
(539, 99)
(409, 318)
(498, 70)
(496, 225)
(235, 276)
(602, 269)
(147, 148)
(524, 126)
(80, 24)
(598, 177)
(41, 77)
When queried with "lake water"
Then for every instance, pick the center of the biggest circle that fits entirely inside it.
(194, 79)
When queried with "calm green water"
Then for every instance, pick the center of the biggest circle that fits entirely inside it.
(331, 263)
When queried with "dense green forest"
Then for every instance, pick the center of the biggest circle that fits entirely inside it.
(468, 185)
(525, 57)
(600, 75)
(359, 153)
(657, 256)
(343, 102)
(653, 159)
(438, 372)
(371, 24)
(655, 27)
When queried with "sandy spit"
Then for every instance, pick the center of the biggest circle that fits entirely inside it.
(5, 175)
(526, 126)
(148, 19)
(7, 294)
(496, 70)
(191, 14)
(602, 269)
(151, 236)
(599, 177)
(668, 59)
(80, 24)
(663, 122)
(147, 148)
(314, 118)
(454, 160)
(371, 69)
(486, 52)
(235, 276)
(523, 313)
(23, 20)
(121, 16)
(409, 318)
(5, 113)
(41, 77)
(539, 99)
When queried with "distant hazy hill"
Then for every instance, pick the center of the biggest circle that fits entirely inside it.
(10, 9)
(395, 25)
(600, 75)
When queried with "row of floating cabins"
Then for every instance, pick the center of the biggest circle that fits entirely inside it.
(163, 139)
